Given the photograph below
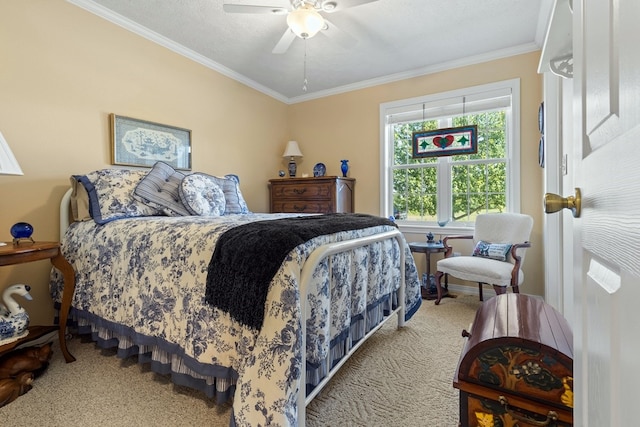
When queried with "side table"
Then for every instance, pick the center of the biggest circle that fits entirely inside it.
(11, 254)
(429, 248)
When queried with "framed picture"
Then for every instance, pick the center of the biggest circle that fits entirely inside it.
(141, 143)
(445, 142)
(541, 118)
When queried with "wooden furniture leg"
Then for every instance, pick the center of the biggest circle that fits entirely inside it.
(438, 287)
(67, 294)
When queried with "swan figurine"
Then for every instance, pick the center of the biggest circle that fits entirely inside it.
(14, 320)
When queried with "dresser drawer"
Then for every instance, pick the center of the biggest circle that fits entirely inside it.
(303, 206)
(329, 194)
(313, 191)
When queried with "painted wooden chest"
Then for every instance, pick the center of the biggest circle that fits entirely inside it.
(516, 365)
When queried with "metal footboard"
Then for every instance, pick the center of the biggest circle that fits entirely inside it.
(316, 257)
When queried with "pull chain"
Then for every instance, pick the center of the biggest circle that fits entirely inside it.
(304, 82)
(464, 114)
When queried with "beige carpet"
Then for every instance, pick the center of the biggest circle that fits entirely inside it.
(398, 378)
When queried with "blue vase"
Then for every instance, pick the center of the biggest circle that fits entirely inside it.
(344, 167)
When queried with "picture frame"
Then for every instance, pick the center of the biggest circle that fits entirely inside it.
(445, 141)
(541, 118)
(136, 142)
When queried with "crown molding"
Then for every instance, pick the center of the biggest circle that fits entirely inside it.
(142, 31)
(472, 60)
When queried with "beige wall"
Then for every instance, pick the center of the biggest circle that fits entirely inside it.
(64, 70)
(347, 126)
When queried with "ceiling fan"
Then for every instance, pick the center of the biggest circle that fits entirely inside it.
(303, 19)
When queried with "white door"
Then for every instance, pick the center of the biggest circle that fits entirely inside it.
(606, 244)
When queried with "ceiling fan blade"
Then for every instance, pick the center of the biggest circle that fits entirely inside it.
(330, 6)
(346, 40)
(247, 8)
(284, 42)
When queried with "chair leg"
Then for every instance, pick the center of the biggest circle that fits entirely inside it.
(516, 289)
(438, 278)
(480, 291)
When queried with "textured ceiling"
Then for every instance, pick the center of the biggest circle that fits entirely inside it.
(381, 41)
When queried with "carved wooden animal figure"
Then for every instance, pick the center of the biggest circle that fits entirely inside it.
(30, 359)
(11, 388)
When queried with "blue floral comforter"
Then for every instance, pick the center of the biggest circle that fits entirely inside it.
(140, 286)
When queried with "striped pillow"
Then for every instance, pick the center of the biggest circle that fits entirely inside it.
(159, 189)
(235, 203)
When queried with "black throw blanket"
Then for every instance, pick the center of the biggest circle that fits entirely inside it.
(247, 257)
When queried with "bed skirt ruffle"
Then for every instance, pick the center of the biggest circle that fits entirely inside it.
(215, 381)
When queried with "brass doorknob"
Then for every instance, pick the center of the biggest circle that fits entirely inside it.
(554, 203)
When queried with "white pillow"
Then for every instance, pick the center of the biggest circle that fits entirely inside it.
(201, 195)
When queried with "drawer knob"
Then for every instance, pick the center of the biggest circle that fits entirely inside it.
(299, 208)
(551, 415)
(299, 190)
(466, 334)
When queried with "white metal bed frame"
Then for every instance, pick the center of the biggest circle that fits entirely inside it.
(314, 259)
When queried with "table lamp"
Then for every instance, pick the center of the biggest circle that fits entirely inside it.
(8, 163)
(292, 151)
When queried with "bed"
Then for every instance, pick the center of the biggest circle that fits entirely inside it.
(171, 288)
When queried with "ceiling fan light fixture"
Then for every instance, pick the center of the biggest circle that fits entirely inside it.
(305, 22)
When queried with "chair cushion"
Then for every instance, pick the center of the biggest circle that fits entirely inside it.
(478, 269)
(499, 251)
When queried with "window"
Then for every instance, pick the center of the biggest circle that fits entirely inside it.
(451, 190)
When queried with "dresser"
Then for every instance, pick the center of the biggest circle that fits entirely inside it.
(327, 194)
(516, 366)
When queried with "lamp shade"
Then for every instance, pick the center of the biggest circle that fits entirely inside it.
(8, 163)
(292, 150)
(305, 21)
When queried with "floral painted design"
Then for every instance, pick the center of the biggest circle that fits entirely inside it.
(201, 195)
(110, 194)
(142, 288)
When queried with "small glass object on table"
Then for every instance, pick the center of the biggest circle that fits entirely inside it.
(21, 231)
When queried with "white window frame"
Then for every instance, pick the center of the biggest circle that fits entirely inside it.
(443, 100)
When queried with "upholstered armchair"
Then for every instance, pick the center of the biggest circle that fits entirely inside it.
(500, 240)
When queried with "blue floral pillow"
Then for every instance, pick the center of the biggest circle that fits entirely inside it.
(497, 251)
(201, 195)
(110, 194)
